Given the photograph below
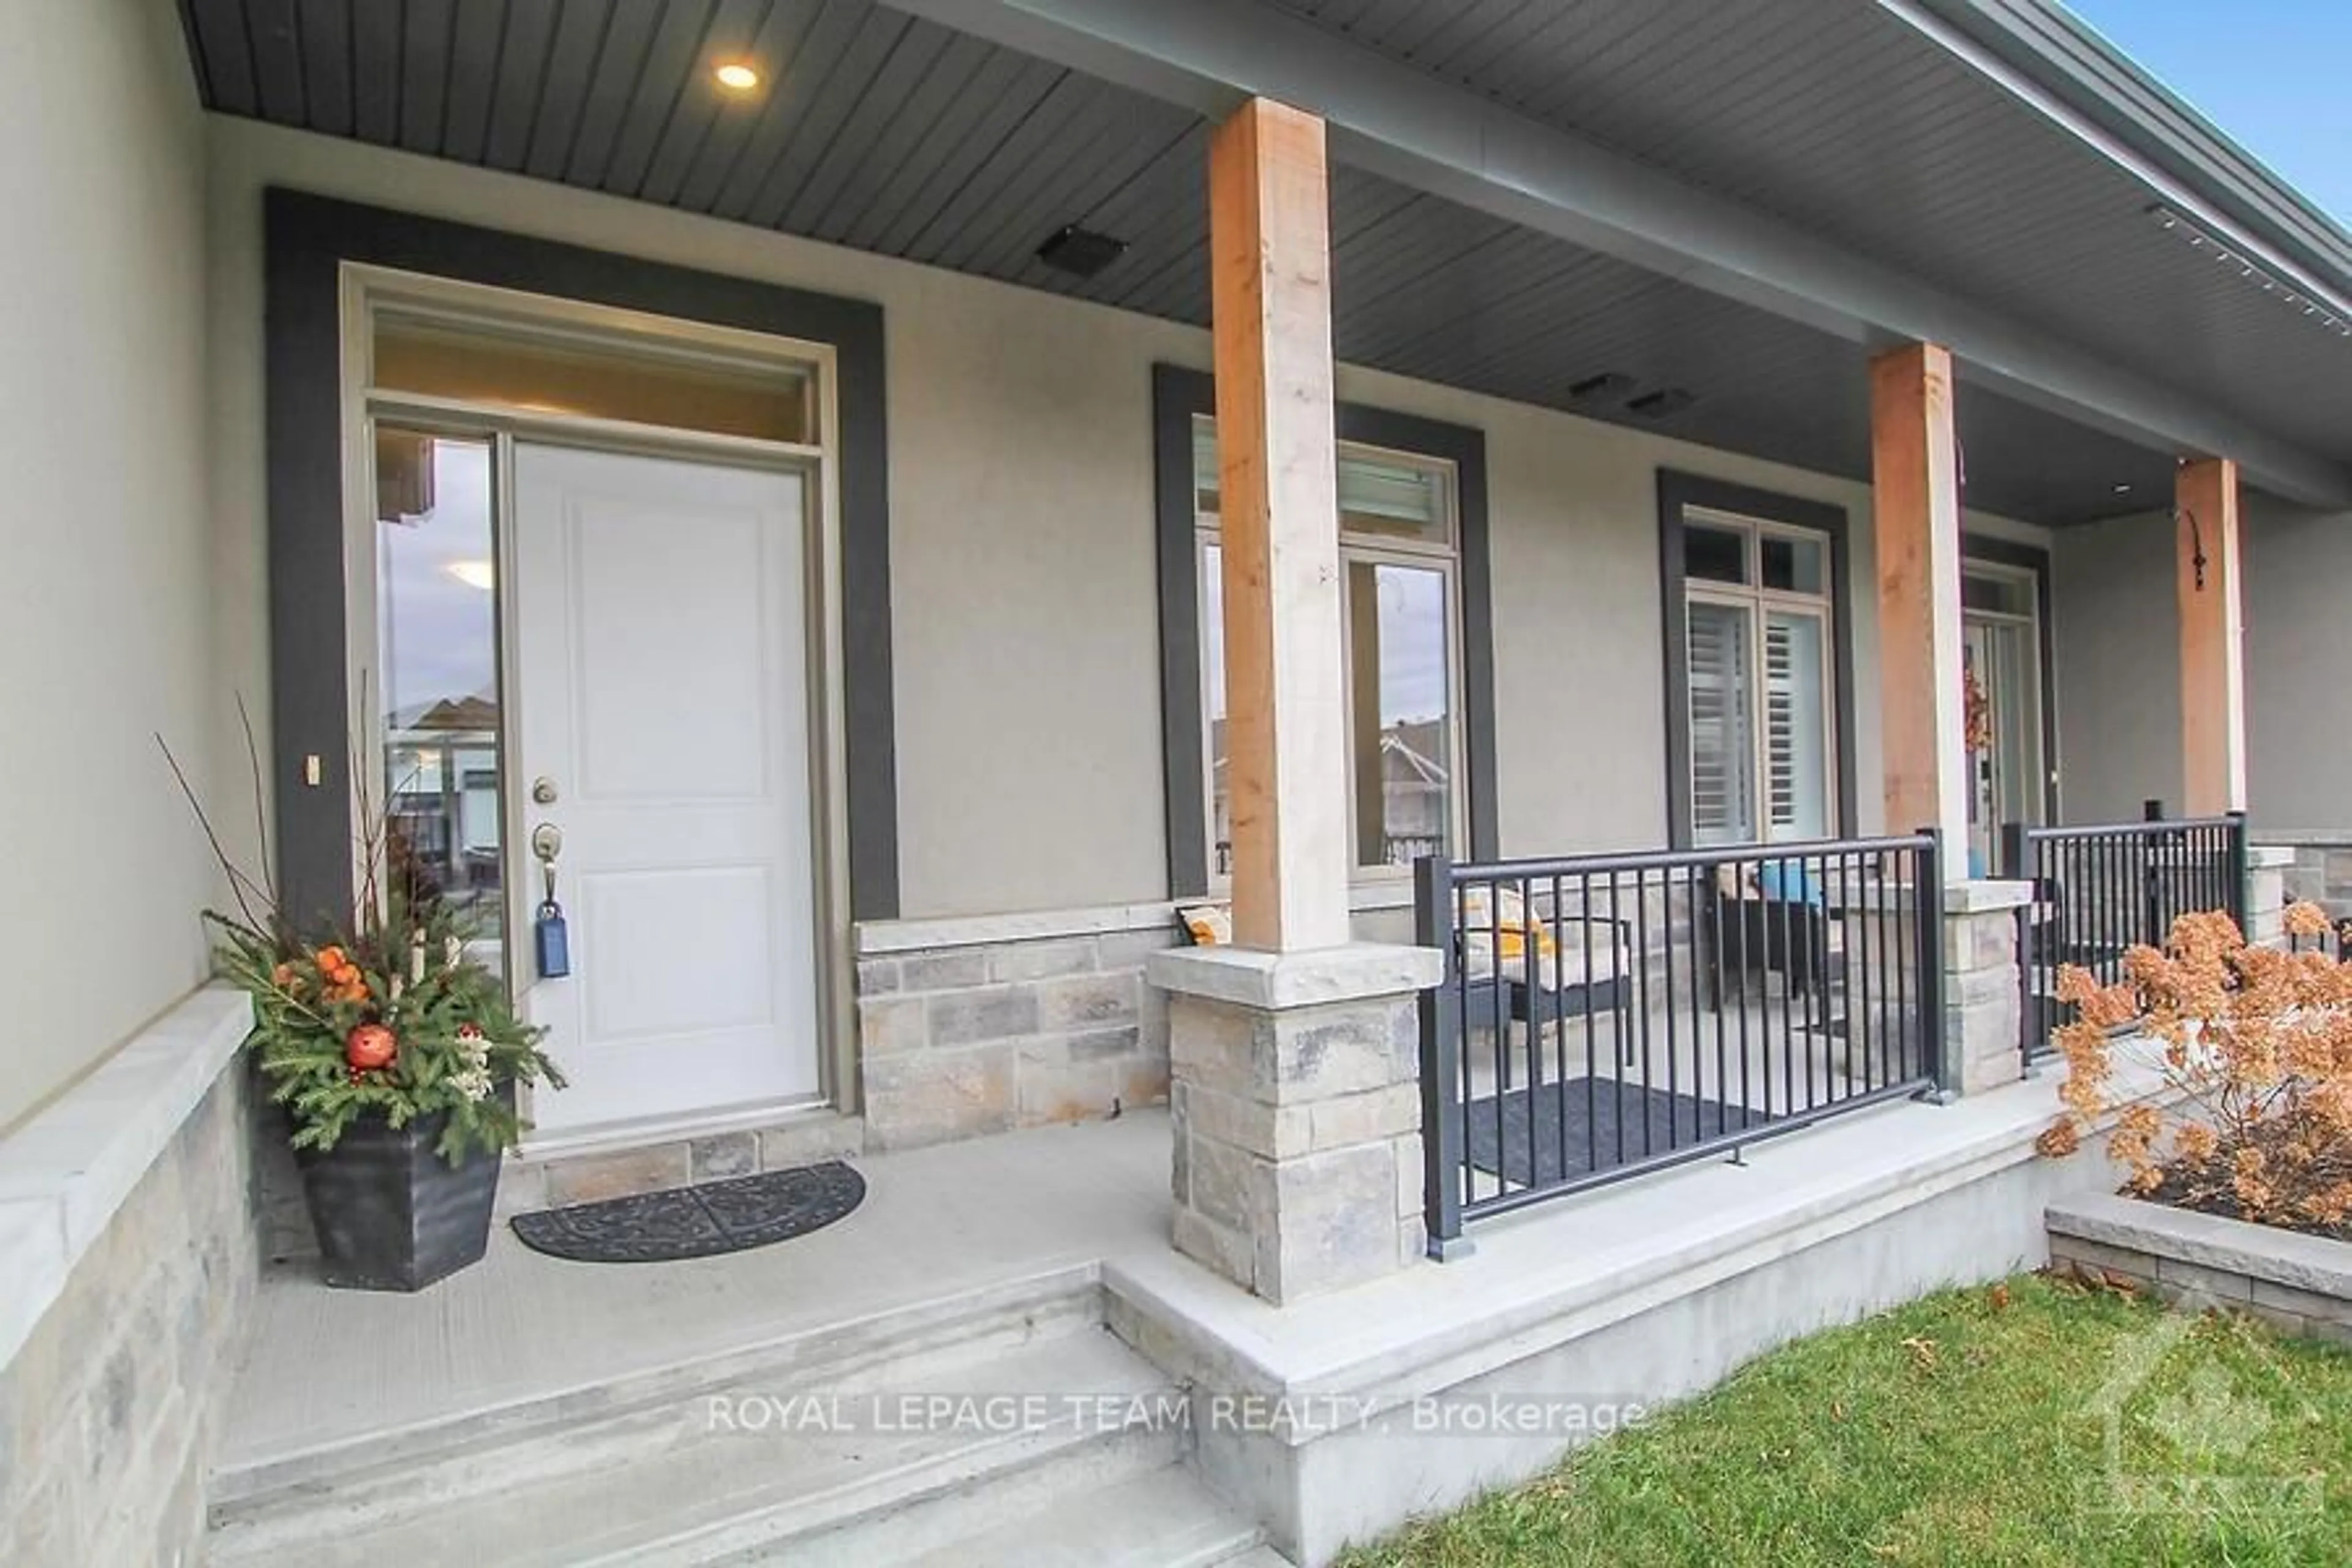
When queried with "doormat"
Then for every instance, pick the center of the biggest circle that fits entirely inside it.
(705, 1221)
(1525, 1149)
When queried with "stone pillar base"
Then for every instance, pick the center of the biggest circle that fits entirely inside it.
(1983, 990)
(2266, 894)
(1294, 1092)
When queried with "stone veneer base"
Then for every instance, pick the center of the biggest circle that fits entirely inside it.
(1037, 1023)
(131, 1244)
(2301, 1284)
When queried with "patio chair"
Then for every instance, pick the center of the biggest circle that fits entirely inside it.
(1552, 969)
(1756, 929)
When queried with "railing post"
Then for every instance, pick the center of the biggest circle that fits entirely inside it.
(1927, 918)
(2017, 866)
(2151, 879)
(2239, 870)
(1441, 1061)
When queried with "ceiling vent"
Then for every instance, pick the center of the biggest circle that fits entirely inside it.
(1080, 252)
(1658, 405)
(1608, 386)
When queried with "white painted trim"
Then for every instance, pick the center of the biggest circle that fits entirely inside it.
(876, 939)
(881, 939)
(612, 1137)
(67, 1172)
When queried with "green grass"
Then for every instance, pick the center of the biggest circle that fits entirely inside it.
(1957, 1431)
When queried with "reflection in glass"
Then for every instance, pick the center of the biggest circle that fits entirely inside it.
(1213, 704)
(437, 617)
(598, 380)
(1402, 738)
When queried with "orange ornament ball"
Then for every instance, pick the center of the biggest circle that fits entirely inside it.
(370, 1047)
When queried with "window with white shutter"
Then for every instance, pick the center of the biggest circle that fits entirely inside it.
(1758, 642)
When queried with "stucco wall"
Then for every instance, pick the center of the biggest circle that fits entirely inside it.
(2118, 636)
(104, 626)
(1024, 612)
(2298, 667)
(2119, 666)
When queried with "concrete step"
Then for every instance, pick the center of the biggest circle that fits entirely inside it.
(1164, 1520)
(490, 1446)
(881, 1460)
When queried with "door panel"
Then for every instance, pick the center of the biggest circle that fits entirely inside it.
(660, 640)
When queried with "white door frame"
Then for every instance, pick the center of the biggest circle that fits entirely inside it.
(366, 291)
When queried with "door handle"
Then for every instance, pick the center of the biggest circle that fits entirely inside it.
(550, 935)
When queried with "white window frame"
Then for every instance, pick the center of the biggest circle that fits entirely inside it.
(1761, 602)
(2036, 765)
(1355, 548)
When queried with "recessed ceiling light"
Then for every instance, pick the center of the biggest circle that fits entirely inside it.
(473, 574)
(2123, 489)
(737, 76)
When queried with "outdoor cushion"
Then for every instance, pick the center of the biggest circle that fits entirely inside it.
(1207, 925)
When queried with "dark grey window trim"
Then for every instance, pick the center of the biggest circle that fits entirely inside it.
(1178, 396)
(2036, 560)
(308, 238)
(1677, 491)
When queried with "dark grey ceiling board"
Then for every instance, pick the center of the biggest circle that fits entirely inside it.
(1457, 44)
(1360, 202)
(1517, 282)
(732, 127)
(1526, 276)
(979, 97)
(1034, 84)
(1137, 211)
(1050, 186)
(1736, 113)
(426, 44)
(1615, 71)
(675, 70)
(838, 95)
(922, 77)
(1176, 241)
(520, 81)
(949, 148)
(326, 33)
(375, 73)
(1124, 160)
(474, 59)
(735, 33)
(612, 87)
(1411, 29)
(1409, 268)
(729, 186)
(225, 54)
(273, 35)
(563, 85)
(1069, 100)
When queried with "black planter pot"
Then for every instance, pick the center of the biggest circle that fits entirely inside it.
(391, 1212)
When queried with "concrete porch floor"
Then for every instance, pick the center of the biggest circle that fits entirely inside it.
(326, 1367)
(1655, 1288)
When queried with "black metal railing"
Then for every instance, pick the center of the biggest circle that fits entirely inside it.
(1606, 1014)
(2098, 891)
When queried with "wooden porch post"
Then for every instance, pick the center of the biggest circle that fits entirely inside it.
(1914, 467)
(2213, 637)
(1270, 266)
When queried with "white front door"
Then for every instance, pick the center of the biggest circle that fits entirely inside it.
(661, 620)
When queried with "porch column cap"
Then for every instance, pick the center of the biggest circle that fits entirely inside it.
(1985, 897)
(1275, 981)
(2269, 857)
